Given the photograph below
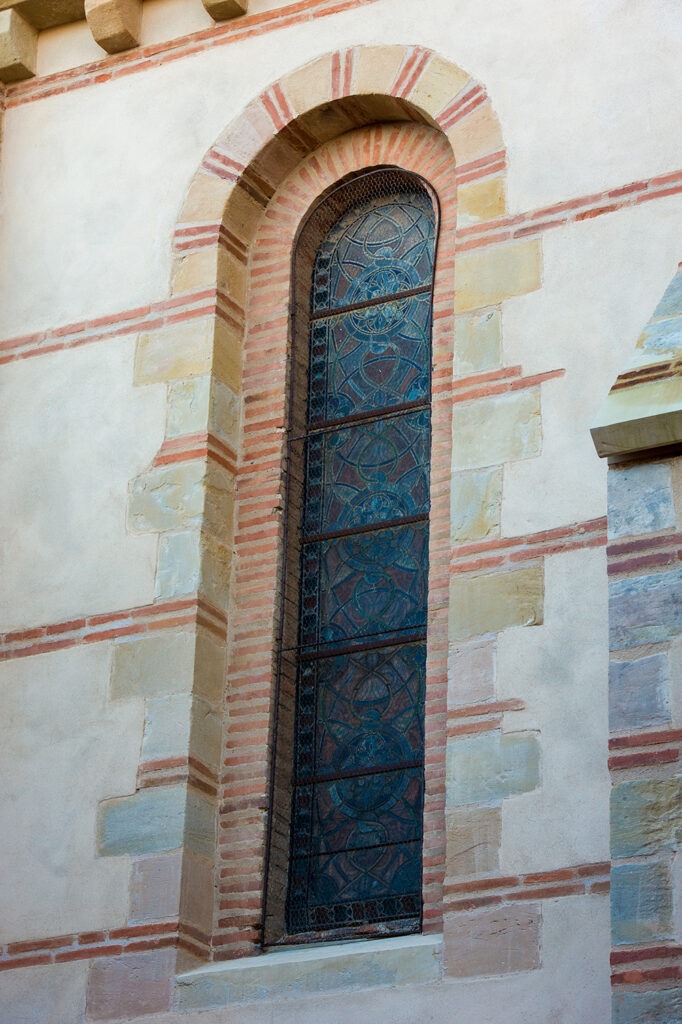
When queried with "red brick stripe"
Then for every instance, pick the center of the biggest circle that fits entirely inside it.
(571, 881)
(504, 552)
(485, 385)
(88, 945)
(662, 552)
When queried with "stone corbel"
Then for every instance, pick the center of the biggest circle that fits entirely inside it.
(18, 45)
(221, 10)
(115, 24)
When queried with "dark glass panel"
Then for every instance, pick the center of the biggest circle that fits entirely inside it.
(360, 710)
(368, 473)
(363, 585)
(377, 248)
(370, 358)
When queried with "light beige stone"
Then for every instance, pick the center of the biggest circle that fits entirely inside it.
(115, 24)
(218, 517)
(478, 342)
(486, 276)
(438, 86)
(227, 359)
(376, 68)
(476, 135)
(206, 200)
(640, 417)
(170, 497)
(209, 672)
(216, 562)
(311, 80)
(46, 13)
(206, 732)
(480, 200)
(187, 411)
(487, 604)
(473, 842)
(502, 428)
(179, 350)
(476, 498)
(18, 47)
(471, 673)
(196, 270)
(222, 10)
(155, 887)
(153, 665)
(178, 568)
(488, 942)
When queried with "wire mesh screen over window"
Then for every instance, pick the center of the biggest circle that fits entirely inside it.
(360, 658)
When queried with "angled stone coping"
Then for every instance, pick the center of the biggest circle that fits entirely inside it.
(310, 970)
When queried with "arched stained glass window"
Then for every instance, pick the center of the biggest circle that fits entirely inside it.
(357, 561)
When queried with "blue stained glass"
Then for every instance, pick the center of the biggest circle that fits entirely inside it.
(368, 473)
(370, 358)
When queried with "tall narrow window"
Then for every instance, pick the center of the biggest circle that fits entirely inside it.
(357, 561)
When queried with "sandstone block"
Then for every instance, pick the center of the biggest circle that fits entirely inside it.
(488, 942)
(375, 68)
(312, 79)
(155, 887)
(480, 200)
(206, 734)
(484, 277)
(178, 568)
(178, 350)
(640, 499)
(169, 497)
(188, 406)
(227, 363)
(166, 727)
(471, 673)
(149, 821)
(438, 86)
(126, 986)
(115, 24)
(488, 767)
(197, 894)
(646, 816)
(200, 824)
(476, 135)
(639, 693)
(153, 665)
(645, 610)
(222, 10)
(478, 340)
(209, 679)
(473, 842)
(488, 604)
(641, 903)
(476, 503)
(501, 428)
(18, 47)
(662, 1007)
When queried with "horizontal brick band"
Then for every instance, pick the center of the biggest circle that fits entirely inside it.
(110, 626)
(645, 953)
(196, 446)
(88, 945)
(506, 551)
(638, 976)
(498, 382)
(571, 881)
(172, 770)
(648, 374)
(663, 551)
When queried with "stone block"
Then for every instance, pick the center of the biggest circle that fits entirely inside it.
(438, 86)
(639, 693)
(225, 412)
(227, 363)
(640, 499)
(478, 342)
(189, 403)
(282, 974)
(488, 767)
(311, 80)
(18, 47)
(115, 24)
(480, 200)
(476, 503)
(476, 135)
(480, 943)
(645, 610)
(646, 816)
(638, 418)
(155, 887)
(375, 68)
(222, 10)
(166, 727)
(128, 986)
(664, 337)
(198, 895)
(209, 678)
(471, 673)
(151, 666)
(171, 353)
(150, 821)
(219, 504)
(488, 604)
(200, 824)
(178, 569)
(641, 903)
(484, 277)
(662, 1007)
(671, 303)
(497, 429)
(206, 734)
(169, 497)
(473, 838)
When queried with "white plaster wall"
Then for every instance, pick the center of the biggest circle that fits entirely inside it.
(66, 748)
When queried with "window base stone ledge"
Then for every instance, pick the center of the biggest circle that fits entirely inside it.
(309, 970)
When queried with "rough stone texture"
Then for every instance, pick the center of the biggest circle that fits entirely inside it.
(487, 604)
(115, 24)
(308, 970)
(645, 610)
(641, 903)
(174, 352)
(168, 497)
(663, 1007)
(221, 10)
(179, 564)
(486, 276)
(489, 431)
(188, 406)
(155, 887)
(126, 986)
(478, 342)
(153, 665)
(489, 942)
(480, 200)
(200, 824)
(473, 842)
(486, 768)
(640, 499)
(476, 504)
(471, 673)
(18, 47)
(206, 731)
(646, 816)
(639, 693)
(149, 821)
(166, 726)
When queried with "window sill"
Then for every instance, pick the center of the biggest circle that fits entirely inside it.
(310, 970)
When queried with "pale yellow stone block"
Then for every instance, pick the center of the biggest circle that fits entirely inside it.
(501, 428)
(480, 200)
(242, 213)
(438, 86)
(179, 350)
(46, 13)
(375, 69)
(227, 361)
(640, 417)
(473, 837)
(18, 47)
(153, 665)
(216, 563)
(490, 603)
(115, 24)
(222, 10)
(195, 271)
(478, 342)
(476, 498)
(484, 277)
(170, 497)
(206, 200)
(476, 135)
(309, 85)
(209, 678)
